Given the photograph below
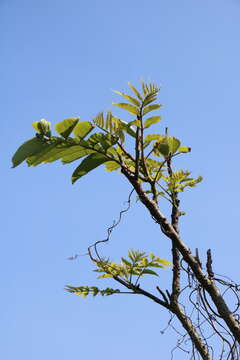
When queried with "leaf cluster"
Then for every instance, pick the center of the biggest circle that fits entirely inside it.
(84, 291)
(103, 141)
(137, 264)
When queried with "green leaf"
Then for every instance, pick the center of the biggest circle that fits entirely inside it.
(27, 149)
(104, 276)
(135, 122)
(111, 166)
(149, 108)
(88, 164)
(163, 148)
(126, 262)
(152, 120)
(50, 152)
(105, 140)
(163, 261)
(173, 144)
(82, 129)
(75, 154)
(135, 91)
(149, 138)
(65, 127)
(130, 108)
(148, 271)
(129, 98)
(127, 129)
(184, 149)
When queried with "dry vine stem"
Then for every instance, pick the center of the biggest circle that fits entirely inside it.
(151, 176)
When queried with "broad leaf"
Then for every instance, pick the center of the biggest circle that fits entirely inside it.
(82, 129)
(75, 154)
(152, 120)
(130, 108)
(173, 144)
(149, 138)
(163, 148)
(149, 108)
(27, 149)
(65, 127)
(129, 98)
(47, 153)
(88, 164)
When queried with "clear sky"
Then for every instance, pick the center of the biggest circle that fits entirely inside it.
(62, 59)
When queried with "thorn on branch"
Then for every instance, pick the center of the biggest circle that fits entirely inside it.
(198, 258)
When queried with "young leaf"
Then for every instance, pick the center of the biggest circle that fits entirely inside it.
(82, 129)
(184, 149)
(129, 98)
(149, 108)
(163, 261)
(130, 108)
(27, 149)
(65, 127)
(42, 127)
(152, 120)
(88, 164)
(135, 91)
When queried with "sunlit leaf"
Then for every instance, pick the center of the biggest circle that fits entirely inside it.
(149, 138)
(184, 149)
(152, 120)
(130, 108)
(173, 144)
(127, 129)
(88, 164)
(135, 91)
(129, 98)
(42, 127)
(149, 108)
(74, 154)
(135, 122)
(82, 129)
(65, 127)
(111, 166)
(163, 261)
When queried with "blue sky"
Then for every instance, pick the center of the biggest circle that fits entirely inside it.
(62, 59)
